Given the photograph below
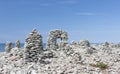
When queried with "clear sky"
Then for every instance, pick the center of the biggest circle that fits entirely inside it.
(95, 20)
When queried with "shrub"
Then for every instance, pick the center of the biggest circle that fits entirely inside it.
(100, 65)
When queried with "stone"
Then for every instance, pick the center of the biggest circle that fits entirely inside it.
(17, 44)
(84, 43)
(19, 72)
(74, 59)
(33, 46)
(33, 72)
(52, 39)
(13, 58)
(90, 50)
(73, 42)
(77, 57)
(8, 46)
(106, 44)
(17, 52)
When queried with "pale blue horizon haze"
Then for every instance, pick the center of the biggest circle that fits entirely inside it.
(95, 20)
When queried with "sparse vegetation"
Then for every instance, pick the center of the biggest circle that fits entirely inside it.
(100, 65)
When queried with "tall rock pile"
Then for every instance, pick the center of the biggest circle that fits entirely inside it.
(52, 39)
(33, 46)
(17, 44)
(8, 47)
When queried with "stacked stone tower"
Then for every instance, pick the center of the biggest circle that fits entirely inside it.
(8, 46)
(33, 46)
(17, 44)
(52, 39)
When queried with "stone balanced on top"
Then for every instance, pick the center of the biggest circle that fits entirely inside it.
(33, 46)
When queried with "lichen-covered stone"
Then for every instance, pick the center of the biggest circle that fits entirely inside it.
(33, 46)
(17, 44)
(52, 39)
(8, 46)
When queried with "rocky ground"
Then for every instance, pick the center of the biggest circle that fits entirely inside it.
(76, 58)
(59, 58)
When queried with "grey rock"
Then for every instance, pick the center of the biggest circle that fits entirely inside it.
(84, 43)
(72, 59)
(17, 44)
(17, 52)
(33, 46)
(106, 44)
(8, 46)
(52, 39)
(90, 50)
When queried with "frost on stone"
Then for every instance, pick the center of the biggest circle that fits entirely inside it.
(52, 39)
(33, 46)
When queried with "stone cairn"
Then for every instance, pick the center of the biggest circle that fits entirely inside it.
(85, 43)
(52, 39)
(33, 46)
(106, 44)
(17, 44)
(8, 47)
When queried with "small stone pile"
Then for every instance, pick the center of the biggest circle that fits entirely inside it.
(17, 44)
(8, 46)
(33, 46)
(82, 58)
(52, 39)
(116, 45)
(84, 43)
(106, 44)
(88, 48)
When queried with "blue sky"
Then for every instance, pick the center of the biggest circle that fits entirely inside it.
(95, 20)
